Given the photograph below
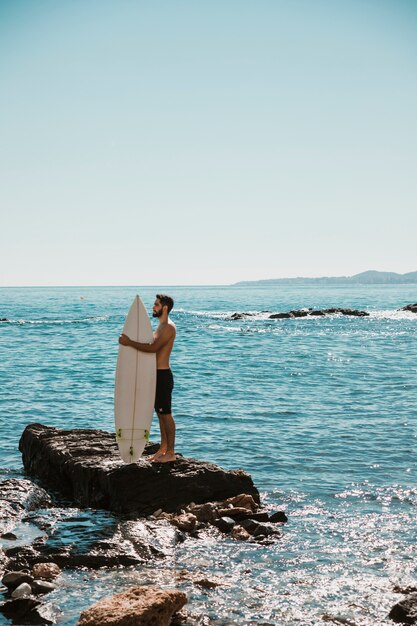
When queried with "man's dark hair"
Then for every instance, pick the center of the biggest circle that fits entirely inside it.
(165, 300)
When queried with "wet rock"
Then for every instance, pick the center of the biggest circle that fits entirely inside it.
(185, 522)
(29, 611)
(21, 558)
(19, 609)
(243, 500)
(46, 571)
(236, 513)
(262, 516)
(405, 611)
(257, 529)
(12, 580)
(40, 587)
(16, 497)
(138, 606)
(404, 590)
(22, 591)
(204, 512)
(85, 465)
(225, 524)
(132, 543)
(278, 517)
(410, 307)
(239, 533)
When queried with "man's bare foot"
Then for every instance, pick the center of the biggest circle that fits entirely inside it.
(166, 458)
(157, 454)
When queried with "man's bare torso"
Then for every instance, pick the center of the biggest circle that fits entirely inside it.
(167, 329)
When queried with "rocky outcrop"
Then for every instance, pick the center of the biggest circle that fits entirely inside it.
(302, 313)
(410, 307)
(85, 466)
(138, 606)
(405, 611)
(17, 496)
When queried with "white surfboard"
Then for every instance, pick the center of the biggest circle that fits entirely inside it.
(134, 392)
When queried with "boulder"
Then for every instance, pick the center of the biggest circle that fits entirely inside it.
(225, 524)
(185, 522)
(240, 533)
(277, 518)
(405, 611)
(46, 571)
(138, 606)
(12, 580)
(40, 587)
(85, 466)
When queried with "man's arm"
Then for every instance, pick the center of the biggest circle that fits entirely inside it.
(156, 345)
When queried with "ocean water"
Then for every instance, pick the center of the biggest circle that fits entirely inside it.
(322, 412)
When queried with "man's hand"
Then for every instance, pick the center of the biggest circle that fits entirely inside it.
(124, 340)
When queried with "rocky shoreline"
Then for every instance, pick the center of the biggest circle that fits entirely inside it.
(31, 571)
(214, 510)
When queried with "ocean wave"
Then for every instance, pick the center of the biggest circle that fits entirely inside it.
(60, 322)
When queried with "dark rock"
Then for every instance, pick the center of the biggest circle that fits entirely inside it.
(249, 525)
(85, 465)
(404, 590)
(260, 517)
(28, 611)
(225, 524)
(278, 517)
(410, 307)
(405, 611)
(353, 312)
(257, 529)
(13, 579)
(9, 536)
(16, 497)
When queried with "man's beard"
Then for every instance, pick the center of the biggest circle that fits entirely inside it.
(156, 313)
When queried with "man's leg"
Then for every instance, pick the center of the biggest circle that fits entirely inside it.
(164, 441)
(166, 451)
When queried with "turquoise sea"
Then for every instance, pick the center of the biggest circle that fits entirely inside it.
(322, 412)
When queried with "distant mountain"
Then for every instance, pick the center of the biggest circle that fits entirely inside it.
(371, 277)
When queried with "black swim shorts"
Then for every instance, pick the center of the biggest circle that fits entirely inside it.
(164, 387)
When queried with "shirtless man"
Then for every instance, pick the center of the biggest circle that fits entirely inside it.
(164, 338)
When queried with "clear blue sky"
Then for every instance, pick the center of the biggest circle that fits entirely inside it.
(206, 142)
